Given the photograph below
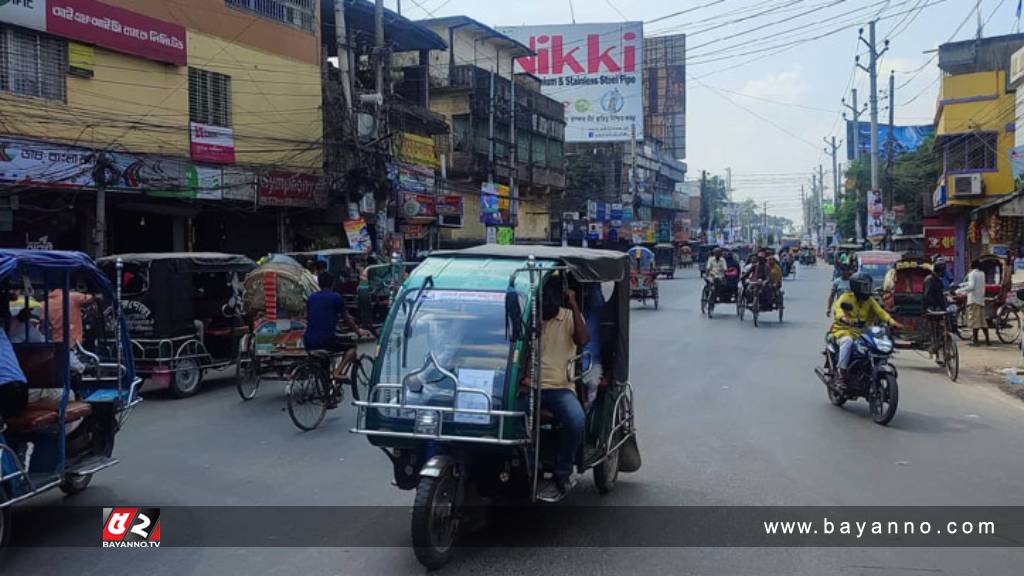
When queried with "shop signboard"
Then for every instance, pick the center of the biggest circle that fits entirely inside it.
(96, 23)
(238, 184)
(415, 231)
(418, 206)
(506, 235)
(412, 178)
(417, 150)
(290, 189)
(595, 70)
(213, 144)
(450, 211)
(1017, 164)
(497, 205)
(940, 241)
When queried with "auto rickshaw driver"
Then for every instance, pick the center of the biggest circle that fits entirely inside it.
(564, 331)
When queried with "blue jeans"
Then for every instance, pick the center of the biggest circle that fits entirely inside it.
(568, 412)
(845, 352)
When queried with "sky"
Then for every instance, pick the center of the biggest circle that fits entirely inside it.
(757, 106)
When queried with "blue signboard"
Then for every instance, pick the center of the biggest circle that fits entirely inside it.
(905, 138)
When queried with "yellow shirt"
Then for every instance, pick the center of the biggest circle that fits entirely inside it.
(867, 311)
(557, 348)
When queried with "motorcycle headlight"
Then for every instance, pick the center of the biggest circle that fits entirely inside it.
(884, 345)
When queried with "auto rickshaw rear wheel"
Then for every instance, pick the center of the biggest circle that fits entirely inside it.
(435, 523)
(187, 377)
(75, 483)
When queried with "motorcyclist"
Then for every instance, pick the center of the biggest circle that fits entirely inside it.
(853, 311)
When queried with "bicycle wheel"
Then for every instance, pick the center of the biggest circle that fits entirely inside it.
(951, 356)
(1008, 326)
(961, 324)
(755, 309)
(307, 397)
(359, 376)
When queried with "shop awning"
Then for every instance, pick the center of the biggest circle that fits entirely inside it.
(1009, 205)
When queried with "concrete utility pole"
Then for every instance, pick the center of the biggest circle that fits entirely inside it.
(856, 111)
(705, 206)
(833, 151)
(341, 41)
(803, 204)
(512, 166)
(874, 56)
(890, 139)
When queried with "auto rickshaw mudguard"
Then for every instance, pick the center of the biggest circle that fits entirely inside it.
(436, 466)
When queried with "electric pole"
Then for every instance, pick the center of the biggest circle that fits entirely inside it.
(889, 153)
(856, 111)
(803, 204)
(833, 150)
(874, 56)
(705, 207)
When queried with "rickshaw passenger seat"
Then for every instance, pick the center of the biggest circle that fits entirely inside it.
(42, 414)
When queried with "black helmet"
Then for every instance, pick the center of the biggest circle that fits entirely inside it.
(862, 285)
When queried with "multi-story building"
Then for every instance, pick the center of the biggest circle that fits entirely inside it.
(187, 125)
(504, 176)
(975, 131)
(665, 92)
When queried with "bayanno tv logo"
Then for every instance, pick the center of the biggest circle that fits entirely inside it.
(131, 527)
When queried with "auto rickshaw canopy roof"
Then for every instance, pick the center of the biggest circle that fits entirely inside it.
(586, 265)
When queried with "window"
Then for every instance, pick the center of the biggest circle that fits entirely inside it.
(298, 13)
(972, 153)
(32, 64)
(209, 98)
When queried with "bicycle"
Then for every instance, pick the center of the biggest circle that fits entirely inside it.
(313, 388)
(948, 351)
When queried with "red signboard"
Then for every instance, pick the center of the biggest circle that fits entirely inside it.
(449, 205)
(940, 240)
(286, 189)
(117, 29)
(214, 144)
(416, 206)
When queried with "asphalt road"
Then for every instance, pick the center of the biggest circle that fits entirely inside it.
(728, 415)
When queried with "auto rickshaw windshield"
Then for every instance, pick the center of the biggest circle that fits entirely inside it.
(465, 332)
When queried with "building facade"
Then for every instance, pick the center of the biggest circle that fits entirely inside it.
(190, 125)
(504, 176)
(665, 92)
(975, 130)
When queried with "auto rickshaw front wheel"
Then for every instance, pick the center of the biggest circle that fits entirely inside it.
(435, 523)
(73, 484)
(187, 377)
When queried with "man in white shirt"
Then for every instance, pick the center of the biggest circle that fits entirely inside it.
(974, 289)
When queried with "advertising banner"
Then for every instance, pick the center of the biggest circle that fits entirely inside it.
(906, 138)
(940, 240)
(412, 178)
(595, 70)
(1017, 166)
(497, 206)
(449, 205)
(288, 189)
(96, 23)
(214, 144)
(207, 182)
(358, 235)
(876, 215)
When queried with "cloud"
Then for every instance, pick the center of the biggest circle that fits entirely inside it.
(785, 86)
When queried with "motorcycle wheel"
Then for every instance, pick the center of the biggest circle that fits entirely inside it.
(435, 525)
(951, 356)
(1008, 328)
(884, 399)
(835, 398)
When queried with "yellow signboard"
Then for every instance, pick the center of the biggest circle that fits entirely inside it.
(416, 149)
(81, 59)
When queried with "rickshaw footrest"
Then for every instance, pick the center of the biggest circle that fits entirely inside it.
(91, 465)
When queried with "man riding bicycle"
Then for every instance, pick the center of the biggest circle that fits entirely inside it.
(716, 269)
(935, 303)
(324, 310)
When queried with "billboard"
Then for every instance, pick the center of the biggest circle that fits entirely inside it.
(876, 215)
(594, 70)
(665, 92)
(905, 138)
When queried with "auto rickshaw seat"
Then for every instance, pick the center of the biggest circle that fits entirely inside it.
(43, 414)
(42, 363)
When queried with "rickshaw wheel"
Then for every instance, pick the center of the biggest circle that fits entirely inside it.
(435, 525)
(360, 377)
(951, 357)
(306, 403)
(1008, 329)
(607, 472)
(249, 379)
(187, 377)
(75, 483)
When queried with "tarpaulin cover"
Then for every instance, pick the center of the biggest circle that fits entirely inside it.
(54, 269)
(294, 285)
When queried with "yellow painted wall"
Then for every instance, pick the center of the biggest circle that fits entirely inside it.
(142, 106)
(991, 115)
(534, 219)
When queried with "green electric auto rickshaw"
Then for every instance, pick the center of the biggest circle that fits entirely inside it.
(454, 396)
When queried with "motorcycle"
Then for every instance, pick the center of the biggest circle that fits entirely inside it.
(870, 375)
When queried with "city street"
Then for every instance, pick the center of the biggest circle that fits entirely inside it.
(728, 415)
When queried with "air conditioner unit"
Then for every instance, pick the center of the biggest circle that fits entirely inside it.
(967, 185)
(450, 220)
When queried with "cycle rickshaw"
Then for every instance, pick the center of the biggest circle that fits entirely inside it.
(643, 275)
(453, 399)
(1001, 313)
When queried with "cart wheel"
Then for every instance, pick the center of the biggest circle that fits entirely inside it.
(5, 521)
(1008, 328)
(951, 355)
(187, 377)
(75, 483)
(435, 524)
